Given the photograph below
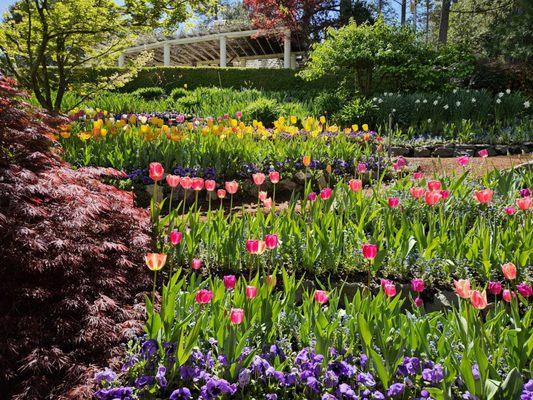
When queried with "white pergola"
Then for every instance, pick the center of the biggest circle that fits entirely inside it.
(235, 48)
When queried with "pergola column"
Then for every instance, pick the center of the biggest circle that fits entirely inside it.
(121, 60)
(223, 54)
(287, 49)
(166, 54)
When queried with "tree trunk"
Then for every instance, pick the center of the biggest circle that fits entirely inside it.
(403, 12)
(444, 21)
(427, 20)
(380, 6)
(345, 8)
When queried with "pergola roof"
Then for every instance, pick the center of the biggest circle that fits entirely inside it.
(206, 47)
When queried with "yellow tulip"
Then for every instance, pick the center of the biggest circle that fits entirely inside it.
(322, 120)
(365, 127)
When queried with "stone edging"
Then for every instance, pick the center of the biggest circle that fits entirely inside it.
(456, 150)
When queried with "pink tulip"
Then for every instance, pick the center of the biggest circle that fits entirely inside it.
(274, 177)
(259, 178)
(508, 295)
(417, 192)
(418, 285)
(271, 241)
(524, 203)
(462, 288)
(495, 288)
(186, 182)
(267, 204)
(355, 185)
(483, 153)
(509, 271)
(175, 237)
(325, 193)
(321, 296)
(370, 251)
(196, 263)
(204, 296)
(401, 162)
(221, 193)
(419, 302)
(197, 184)
(210, 185)
(226, 116)
(236, 316)
(173, 180)
(432, 198)
(510, 210)
(311, 196)
(156, 171)
(390, 289)
(463, 161)
(434, 185)
(232, 187)
(251, 292)
(445, 194)
(255, 246)
(361, 167)
(262, 195)
(393, 202)
(483, 196)
(479, 300)
(229, 281)
(418, 175)
(524, 289)
(238, 115)
(384, 282)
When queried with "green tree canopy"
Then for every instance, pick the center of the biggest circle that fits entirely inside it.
(379, 55)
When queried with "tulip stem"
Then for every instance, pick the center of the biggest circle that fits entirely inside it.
(184, 201)
(170, 201)
(231, 204)
(153, 289)
(274, 198)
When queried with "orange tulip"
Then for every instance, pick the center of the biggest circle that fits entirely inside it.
(155, 261)
(524, 203)
(483, 196)
(509, 271)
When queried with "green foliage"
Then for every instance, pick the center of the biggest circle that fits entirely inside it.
(178, 93)
(329, 103)
(264, 110)
(374, 55)
(358, 109)
(149, 93)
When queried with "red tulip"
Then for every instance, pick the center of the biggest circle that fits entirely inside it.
(221, 193)
(361, 167)
(370, 251)
(509, 271)
(186, 182)
(355, 185)
(210, 185)
(321, 296)
(417, 192)
(509, 210)
(524, 203)
(418, 285)
(508, 295)
(325, 193)
(394, 202)
(434, 185)
(259, 178)
(483, 153)
(155, 261)
(229, 281)
(463, 161)
(196, 263)
(236, 316)
(271, 241)
(483, 196)
(462, 288)
(479, 300)
(156, 171)
(274, 177)
(445, 194)
(197, 184)
(232, 187)
(390, 289)
(175, 237)
(204, 296)
(173, 180)
(495, 288)
(432, 198)
(418, 175)
(251, 292)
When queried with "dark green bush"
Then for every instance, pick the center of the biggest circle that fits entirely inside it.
(329, 103)
(358, 109)
(149, 93)
(178, 93)
(264, 110)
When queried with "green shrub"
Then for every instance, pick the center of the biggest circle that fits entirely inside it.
(188, 104)
(264, 110)
(358, 109)
(178, 93)
(329, 103)
(149, 93)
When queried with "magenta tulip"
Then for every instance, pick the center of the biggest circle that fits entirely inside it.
(236, 316)
(175, 237)
(204, 296)
(156, 171)
(495, 288)
(418, 285)
(229, 281)
(251, 292)
(321, 296)
(271, 241)
(370, 251)
(196, 263)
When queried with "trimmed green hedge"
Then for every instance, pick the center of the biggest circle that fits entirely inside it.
(169, 78)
